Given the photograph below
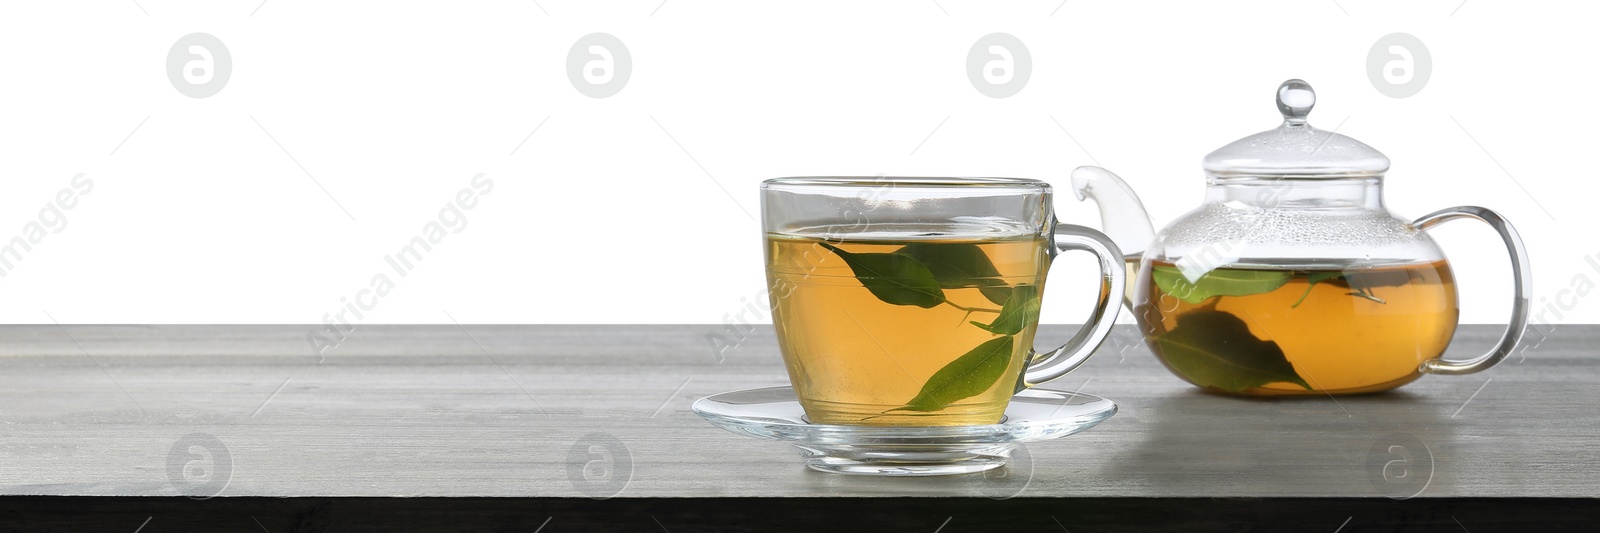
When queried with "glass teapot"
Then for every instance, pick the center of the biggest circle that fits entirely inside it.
(1292, 277)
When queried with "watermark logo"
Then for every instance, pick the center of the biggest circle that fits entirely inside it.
(199, 466)
(1399, 465)
(739, 325)
(51, 220)
(198, 65)
(1007, 481)
(451, 219)
(599, 65)
(998, 65)
(599, 465)
(1398, 65)
(1211, 256)
(1543, 322)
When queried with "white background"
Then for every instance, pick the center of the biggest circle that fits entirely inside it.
(601, 217)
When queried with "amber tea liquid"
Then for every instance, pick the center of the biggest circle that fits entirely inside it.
(1354, 330)
(1131, 269)
(855, 359)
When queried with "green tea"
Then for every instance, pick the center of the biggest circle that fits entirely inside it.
(907, 330)
(1131, 268)
(1310, 331)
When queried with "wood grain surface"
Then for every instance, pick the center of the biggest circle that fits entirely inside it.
(522, 411)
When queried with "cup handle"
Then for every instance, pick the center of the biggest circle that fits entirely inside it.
(1044, 367)
(1520, 302)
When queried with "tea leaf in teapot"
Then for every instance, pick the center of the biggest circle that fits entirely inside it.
(965, 377)
(1311, 282)
(958, 266)
(893, 278)
(1021, 309)
(1366, 293)
(1216, 349)
(1360, 282)
(1218, 282)
(1319, 277)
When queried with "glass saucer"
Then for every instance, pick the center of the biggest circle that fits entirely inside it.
(774, 413)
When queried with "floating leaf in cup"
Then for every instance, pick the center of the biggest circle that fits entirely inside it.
(1020, 309)
(965, 377)
(894, 278)
(958, 266)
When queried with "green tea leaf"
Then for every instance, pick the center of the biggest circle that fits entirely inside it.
(959, 266)
(1360, 282)
(1319, 277)
(1366, 294)
(1313, 279)
(896, 279)
(1215, 349)
(1021, 309)
(1219, 282)
(965, 377)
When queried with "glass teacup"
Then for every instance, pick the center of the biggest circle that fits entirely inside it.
(914, 301)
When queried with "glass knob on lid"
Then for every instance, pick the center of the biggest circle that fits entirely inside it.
(1295, 149)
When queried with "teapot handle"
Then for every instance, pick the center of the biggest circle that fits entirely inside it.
(1520, 302)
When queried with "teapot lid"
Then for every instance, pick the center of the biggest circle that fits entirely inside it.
(1295, 148)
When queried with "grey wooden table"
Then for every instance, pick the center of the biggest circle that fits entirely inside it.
(523, 411)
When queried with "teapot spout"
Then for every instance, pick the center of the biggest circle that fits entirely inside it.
(1122, 215)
